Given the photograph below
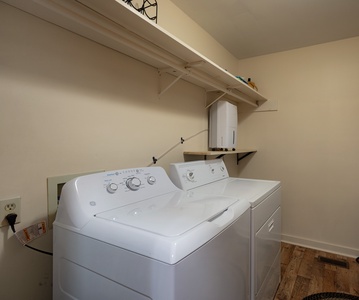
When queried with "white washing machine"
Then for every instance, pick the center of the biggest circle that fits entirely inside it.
(133, 235)
(264, 197)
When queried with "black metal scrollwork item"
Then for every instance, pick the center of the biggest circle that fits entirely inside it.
(148, 8)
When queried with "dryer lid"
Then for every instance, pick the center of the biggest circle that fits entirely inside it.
(171, 214)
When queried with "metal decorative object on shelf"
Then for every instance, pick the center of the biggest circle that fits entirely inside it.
(148, 8)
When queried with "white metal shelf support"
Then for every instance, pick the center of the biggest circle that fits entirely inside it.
(217, 99)
(163, 90)
(184, 72)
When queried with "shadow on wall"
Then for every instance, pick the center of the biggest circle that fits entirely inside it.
(39, 54)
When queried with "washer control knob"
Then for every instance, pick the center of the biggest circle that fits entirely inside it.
(112, 187)
(151, 180)
(133, 183)
(190, 175)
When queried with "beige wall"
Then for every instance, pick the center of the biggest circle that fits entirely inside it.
(311, 143)
(171, 18)
(69, 105)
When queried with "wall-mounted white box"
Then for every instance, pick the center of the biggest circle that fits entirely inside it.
(54, 188)
(223, 126)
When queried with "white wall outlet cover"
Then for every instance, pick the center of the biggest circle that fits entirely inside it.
(10, 206)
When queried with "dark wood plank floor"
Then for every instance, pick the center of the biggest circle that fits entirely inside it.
(304, 274)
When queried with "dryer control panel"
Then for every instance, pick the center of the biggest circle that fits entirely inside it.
(189, 175)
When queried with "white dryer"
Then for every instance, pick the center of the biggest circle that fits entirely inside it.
(264, 197)
(132, 235)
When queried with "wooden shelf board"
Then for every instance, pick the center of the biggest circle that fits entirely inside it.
(217, 153)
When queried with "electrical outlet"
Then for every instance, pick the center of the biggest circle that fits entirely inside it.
(10, 206)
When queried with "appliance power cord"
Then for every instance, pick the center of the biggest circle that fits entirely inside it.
(11, 219)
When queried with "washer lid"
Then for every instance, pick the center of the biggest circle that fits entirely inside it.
(171, 214)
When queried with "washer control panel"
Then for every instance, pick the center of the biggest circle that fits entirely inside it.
(99, 192)
(129, 180)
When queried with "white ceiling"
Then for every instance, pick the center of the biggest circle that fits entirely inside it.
(249, 28)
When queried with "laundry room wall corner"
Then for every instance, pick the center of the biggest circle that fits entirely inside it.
(311, 143)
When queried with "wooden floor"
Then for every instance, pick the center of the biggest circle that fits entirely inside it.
(303, 274)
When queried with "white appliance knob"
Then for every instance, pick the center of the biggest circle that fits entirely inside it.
(112, 188)
(151, 180)
(133, 183)
(190, 175)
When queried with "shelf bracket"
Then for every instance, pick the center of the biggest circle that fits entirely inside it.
(218, 98)
(239, 158)
(162, 91)
(195, 64)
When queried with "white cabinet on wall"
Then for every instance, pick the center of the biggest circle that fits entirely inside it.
(118, 26)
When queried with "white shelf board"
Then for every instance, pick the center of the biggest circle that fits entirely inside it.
(116, 25)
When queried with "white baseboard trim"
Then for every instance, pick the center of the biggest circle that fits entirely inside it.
(350, 252)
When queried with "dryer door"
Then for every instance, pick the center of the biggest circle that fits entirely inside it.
(266, 250)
